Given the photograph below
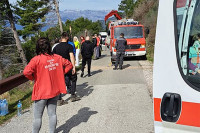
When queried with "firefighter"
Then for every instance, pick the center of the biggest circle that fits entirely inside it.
(120, 47)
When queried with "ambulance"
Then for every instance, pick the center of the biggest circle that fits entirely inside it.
(176, 76)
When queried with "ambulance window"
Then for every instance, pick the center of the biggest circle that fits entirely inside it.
(188, 33)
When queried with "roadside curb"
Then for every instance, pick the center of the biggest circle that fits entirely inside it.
(148, 74)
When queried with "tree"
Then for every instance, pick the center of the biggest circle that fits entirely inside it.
(6, 13)
(32, 15)
(81, 24)
(126, 7)
(58, 15)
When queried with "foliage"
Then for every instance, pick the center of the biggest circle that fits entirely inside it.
(52, 33)
(31, 14)
(126, 7)
(78, 29)
(22, 93)
(29, 47)
(6, 36)
(145, 11)
(81, 24)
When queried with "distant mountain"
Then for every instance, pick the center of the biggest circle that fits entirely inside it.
(94, 15)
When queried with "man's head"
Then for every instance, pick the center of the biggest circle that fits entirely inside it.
(57, 40)
(95, 35)
(87, 38)
(122, 35)
(65, 36)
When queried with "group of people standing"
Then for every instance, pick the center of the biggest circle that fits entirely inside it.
(54, 69)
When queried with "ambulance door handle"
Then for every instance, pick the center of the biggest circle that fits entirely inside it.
(170, 112)
(170, 107)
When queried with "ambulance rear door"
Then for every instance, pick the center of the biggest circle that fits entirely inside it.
(176, 80)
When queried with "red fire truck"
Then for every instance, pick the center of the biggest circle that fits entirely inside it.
(133, 32)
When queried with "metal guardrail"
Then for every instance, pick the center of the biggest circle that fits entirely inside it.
(12, 82)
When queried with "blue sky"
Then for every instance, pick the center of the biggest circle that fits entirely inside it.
(86, 4)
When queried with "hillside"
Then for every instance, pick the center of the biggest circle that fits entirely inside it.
(146, 12)
(94, 15)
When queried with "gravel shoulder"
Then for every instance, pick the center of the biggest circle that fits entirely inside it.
(148, 74)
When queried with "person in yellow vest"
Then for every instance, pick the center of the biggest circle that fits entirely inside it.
(77, 46)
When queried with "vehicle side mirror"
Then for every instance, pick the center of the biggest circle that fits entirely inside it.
(147, 31)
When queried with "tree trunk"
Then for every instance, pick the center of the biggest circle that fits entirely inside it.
(13, 28)
(58, 14)
(1, 73)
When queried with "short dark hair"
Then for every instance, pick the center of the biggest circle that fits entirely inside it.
(65, 34)
(43, 46)
(57, 40)
(122, 34)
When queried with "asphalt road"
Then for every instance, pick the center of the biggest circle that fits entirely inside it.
(113, 101)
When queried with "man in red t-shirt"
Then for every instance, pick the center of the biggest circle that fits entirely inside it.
(98, 46)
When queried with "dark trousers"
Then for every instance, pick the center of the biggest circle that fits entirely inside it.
(84, 61)
(97, 51)
(119, 60)
(94, 54)
(70, 81)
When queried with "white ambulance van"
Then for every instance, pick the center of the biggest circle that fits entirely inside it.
(176, 77)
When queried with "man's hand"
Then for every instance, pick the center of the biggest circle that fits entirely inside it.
(73, 70)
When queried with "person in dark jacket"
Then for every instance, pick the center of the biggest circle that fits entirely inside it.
(94, 41)
(86, 52)
(120, 47)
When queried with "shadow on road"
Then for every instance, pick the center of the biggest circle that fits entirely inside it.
(135, 58)
(96, 72)
(102, 56)
(126, 66)
(84, 89)
(82, 116)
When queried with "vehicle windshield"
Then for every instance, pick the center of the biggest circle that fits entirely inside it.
(129, 32)
(188, 32)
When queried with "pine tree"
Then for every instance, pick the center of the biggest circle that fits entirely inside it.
(31, 16)
(126, 7)
(6, 14)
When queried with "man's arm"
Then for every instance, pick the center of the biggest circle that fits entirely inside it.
(125, 42)
(73, 62)
(116, 43)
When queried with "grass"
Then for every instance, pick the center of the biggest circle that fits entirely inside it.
(150, 54)
(22, 93)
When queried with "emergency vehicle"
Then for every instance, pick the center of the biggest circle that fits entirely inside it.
(176, 77)
(133, 33)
